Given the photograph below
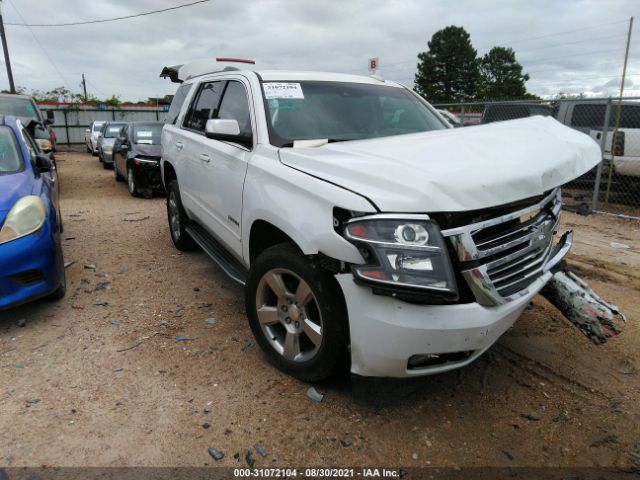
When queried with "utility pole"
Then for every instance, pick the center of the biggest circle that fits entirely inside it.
(614, 143)
(12, 87)
(84, 87)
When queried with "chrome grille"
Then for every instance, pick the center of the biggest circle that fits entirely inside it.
(504, 258)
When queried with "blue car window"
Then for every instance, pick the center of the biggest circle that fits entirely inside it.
(10, 158)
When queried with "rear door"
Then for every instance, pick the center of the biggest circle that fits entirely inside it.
(224, 166)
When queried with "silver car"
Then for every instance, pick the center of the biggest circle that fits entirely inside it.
(111, 131)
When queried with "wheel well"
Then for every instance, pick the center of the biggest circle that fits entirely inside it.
(169, 174)
(264, 235)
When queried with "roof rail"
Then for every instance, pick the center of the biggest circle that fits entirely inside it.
(180, 73)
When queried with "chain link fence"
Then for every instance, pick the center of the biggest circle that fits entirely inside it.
(614, 123)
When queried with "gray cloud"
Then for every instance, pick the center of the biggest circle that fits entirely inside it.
(125, 57)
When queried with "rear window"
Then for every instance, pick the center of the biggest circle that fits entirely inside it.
(97, 126)
(10, 158)
(147, 134)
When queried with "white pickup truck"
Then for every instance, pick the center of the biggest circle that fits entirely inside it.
(366, 230)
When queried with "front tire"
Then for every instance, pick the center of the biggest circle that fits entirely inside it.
(116, 174)
(132, 183)
(297, 314)
(178, 219)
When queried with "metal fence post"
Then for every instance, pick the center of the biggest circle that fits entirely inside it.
(603, 145)
(66, 127)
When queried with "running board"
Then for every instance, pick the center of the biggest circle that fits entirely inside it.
(212, 247)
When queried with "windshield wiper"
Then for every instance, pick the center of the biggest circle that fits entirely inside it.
(326, 140)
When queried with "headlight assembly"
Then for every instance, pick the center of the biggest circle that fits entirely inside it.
(26, 217)
(44, 144)
(404, 252)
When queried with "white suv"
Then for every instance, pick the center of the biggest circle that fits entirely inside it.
(364, 228)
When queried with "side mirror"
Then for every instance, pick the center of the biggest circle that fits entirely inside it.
(44, 163)
(227, 130)
(125, 147)
(50, 117)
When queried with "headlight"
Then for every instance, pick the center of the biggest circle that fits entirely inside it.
(107, 148)
(44, 144)
(402, 253)
(27, 216)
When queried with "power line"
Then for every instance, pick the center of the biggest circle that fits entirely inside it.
(104, 20)
(41, 46)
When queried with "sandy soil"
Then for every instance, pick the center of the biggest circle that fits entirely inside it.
(99, 379)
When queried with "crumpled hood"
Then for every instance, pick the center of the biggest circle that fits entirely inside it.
(13, 187)
(147, 150)
(455, 169)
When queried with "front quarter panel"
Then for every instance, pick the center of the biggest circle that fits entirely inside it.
(299, 205)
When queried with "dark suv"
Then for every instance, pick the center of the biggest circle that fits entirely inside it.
(23, 107)
(510, 111)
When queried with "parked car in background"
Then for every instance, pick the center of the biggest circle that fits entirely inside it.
(23, 107)
(109, 133)
(136, 157)
(31, 260)
(496, 112)
(365, 229)
(91, 136)
(454, 120)
(589, 117)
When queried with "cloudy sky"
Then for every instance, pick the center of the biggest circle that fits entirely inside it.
(570, 46)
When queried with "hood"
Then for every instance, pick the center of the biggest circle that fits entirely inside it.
(455, 169)
(146, 150)
(13, 187)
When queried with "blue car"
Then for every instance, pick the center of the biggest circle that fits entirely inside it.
(31, 261)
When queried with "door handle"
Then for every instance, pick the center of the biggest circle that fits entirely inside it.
(179, 145)
(205, 158)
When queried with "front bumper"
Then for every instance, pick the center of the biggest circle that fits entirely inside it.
(386, 332)
(107, 157)
(30, 268)
(148, 173)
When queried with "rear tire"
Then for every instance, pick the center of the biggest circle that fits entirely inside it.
(297, 314)
(178, 219)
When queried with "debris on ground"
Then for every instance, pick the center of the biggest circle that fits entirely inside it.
(346, 443)
(101, 286)
(205, 425)
(211, 321)
(184, 339)
(261, 451)
(534, 417)
(118, 369)
(115, 322)
(250, 459)
(215, 454)
(314, 395)
(77, 306)
(247, 344)
(140, 219)
(594, 317)
(101, 304)
(21, 323)
(507, 454)
(69, 263)
(620, 246)
(581, 209)
(90, 266)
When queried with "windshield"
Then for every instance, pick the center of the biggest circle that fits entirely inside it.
(19, 107)
(10, 159)
(147, 134)
(114, 130)
(340, 111)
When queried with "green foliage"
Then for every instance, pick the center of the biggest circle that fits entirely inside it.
(448, 71)
(501, 75)
(113, 100)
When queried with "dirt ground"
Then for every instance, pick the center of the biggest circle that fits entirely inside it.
(99, 378)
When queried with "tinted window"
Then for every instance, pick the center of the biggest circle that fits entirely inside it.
(235, 106)
(177, 102)
(204, 107)
(10, 158)
(19, 107)
(592, 116)
(97, 126)
(343, 111)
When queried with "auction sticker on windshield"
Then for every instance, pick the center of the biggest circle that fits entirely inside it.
(282, 90)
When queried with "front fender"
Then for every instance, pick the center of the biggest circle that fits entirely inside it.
(300, 205)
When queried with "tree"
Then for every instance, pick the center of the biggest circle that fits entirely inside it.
(501, 75)
(449, 71)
